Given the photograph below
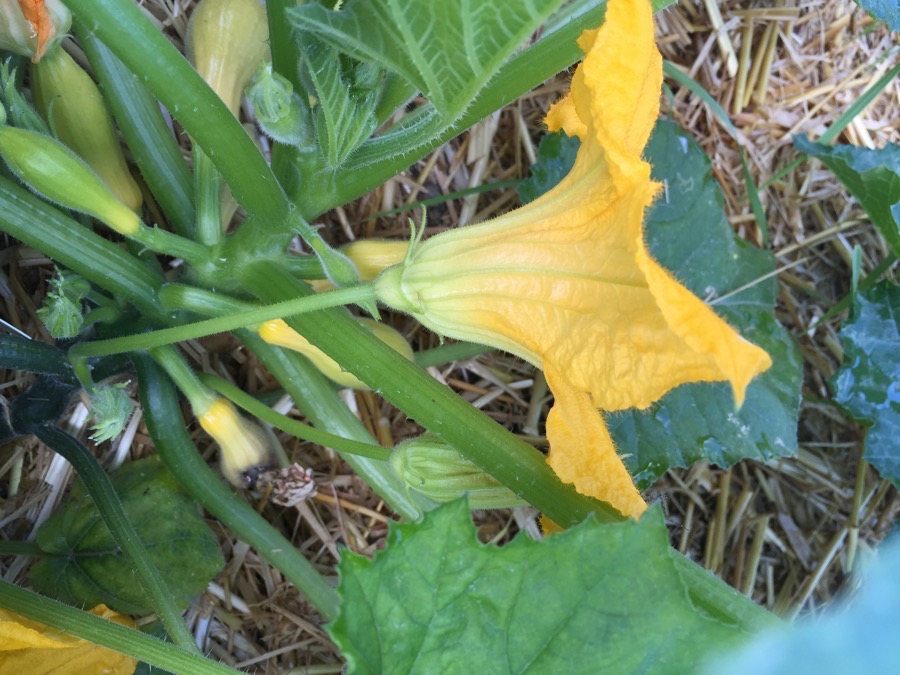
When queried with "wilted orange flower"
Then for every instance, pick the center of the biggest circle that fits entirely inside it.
(566, 282)
(44, 21)
(29, 647)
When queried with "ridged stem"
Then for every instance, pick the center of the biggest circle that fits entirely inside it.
(159, 401)
(113, 514)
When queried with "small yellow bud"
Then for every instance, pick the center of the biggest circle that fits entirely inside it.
(71, 103)
(245, 448)
(278, 333)
(437, 470)
(371, 257)
(227, 41)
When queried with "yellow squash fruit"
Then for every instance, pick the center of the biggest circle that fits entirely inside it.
(55, 172)
(227, 41)
(278, 333)
(68, 99)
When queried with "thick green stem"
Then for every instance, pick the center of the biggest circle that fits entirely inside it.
(104, 495)
(159, 401)
(146, 133)
(293, 427)
(108, 314)
(208, 189)
(315, 397)
(200, 300)
(106, 633)
(43, 227)
(121, 26)
(455, 351)
(283, 44)
(199, 396)
(173, 245)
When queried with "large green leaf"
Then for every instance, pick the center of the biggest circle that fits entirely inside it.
(885, 10)
(687, 232)
(346, 101)
(859, 637)
(872, 176)
(448, 49)
(598, 598)
(87, 568)
(556, 156)
(868, 386)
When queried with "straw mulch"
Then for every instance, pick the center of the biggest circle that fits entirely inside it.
(788, 533)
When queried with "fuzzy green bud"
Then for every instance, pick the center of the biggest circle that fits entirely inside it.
(63, 311)
(111, 408)
(436, 469)
(68, 99)
(280, 112)
(20, 111)
(55, 172)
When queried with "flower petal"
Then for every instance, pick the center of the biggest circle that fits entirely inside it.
(734, 359)
(582, 451)
(566, 280)
(30, 647)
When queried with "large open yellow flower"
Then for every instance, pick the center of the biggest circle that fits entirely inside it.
(566, 282)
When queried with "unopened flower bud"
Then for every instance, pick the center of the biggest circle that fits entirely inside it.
(280, 112)
(71, 103)
(63, 310)
(277, 332)
(55, 172)
(111, 408)
(437, 470)
(226, 42)
(244, 447)
(373, 256)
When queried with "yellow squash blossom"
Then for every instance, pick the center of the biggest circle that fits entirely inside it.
(566, 282)
(29, 647)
